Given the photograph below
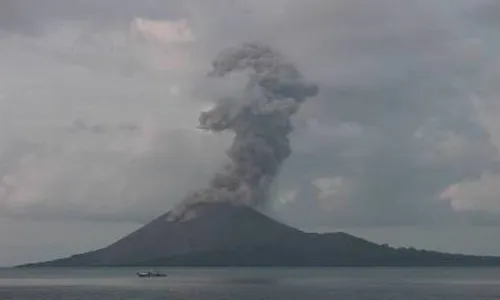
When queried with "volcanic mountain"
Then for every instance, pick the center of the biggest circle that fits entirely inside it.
(228, 235)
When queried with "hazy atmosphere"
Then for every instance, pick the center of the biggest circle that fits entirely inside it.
(100, 100)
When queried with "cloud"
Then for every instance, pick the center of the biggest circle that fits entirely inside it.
(406, 109)
(407, 86)
(485, 12)
(105, 177)
(94, 143)
(34, 17)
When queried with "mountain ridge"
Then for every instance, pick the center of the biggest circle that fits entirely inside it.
(229, 235)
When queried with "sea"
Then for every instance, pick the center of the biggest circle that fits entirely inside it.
(252, 284)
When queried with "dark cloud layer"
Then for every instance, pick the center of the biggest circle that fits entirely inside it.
(32, 16)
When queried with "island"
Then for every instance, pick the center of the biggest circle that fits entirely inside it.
(223, 234)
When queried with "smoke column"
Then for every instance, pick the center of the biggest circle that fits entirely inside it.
(260, 120)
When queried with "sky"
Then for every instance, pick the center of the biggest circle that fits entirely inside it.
(99, 104)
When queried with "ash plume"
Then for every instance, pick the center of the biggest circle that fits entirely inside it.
(260, 120)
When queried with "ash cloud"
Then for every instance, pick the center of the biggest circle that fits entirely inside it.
(260, 120)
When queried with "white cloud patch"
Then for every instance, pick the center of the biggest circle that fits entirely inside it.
(482, 195)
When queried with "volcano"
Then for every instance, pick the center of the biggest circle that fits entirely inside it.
(229, 235)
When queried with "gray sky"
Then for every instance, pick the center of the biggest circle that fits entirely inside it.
(99, 103)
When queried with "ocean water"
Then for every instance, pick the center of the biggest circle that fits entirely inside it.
(252, 283)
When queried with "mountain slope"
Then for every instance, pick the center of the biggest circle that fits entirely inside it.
(226, 235)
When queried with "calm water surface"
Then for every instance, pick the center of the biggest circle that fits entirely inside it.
(253, 283)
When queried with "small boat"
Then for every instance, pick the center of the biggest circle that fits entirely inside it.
(151, 274)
